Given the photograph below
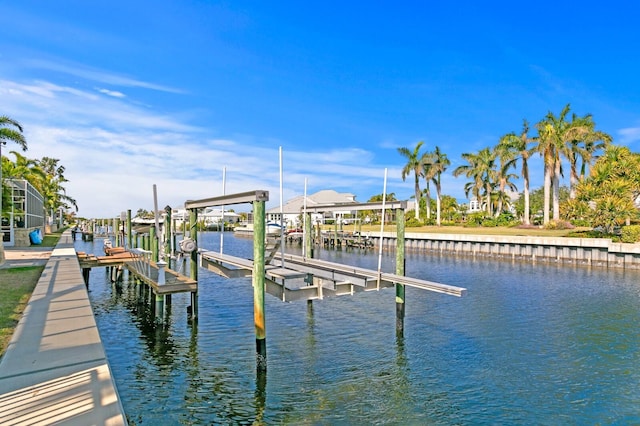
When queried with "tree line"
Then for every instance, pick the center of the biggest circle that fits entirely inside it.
(604, 179)
(45, 174)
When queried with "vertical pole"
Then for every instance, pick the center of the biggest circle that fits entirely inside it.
(153, 242)
(129, 234)
(116, 230)
(193, 264)
(400, 262)
(308, 233)
(258, 284)
(167, 236)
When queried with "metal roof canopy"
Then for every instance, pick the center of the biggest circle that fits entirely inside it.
(225, 200)
(319, 208)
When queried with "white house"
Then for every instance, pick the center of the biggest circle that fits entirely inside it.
(293, 208)
(210, 216)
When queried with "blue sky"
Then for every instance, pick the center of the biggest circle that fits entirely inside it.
(128, 94)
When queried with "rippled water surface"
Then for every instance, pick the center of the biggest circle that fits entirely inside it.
(528, 344)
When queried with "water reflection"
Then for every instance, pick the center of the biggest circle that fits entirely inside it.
(529, 344)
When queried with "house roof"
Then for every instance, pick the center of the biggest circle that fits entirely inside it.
(326, 196)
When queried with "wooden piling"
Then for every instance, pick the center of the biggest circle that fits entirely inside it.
(153, 242)
(308, 232)
(259, 283)
(400, 270)
(193, 264)
(129, 232)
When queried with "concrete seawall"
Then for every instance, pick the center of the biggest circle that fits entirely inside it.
(575, 251)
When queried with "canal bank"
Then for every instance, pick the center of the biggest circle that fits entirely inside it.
(55, 369)
(571, 251)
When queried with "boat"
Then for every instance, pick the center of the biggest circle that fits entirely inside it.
(246, 229)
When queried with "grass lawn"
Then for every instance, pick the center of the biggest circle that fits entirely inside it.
(15, 291)
(16, 286)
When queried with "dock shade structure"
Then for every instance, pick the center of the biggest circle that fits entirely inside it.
(258, 198)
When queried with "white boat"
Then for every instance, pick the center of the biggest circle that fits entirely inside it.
(272, 228)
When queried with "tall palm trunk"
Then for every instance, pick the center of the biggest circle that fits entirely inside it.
(427, 195)
(417, 204)
(525, 178)
(556, 190)
(438, 207)
(547, 191)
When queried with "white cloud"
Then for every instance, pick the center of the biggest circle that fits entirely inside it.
(629, 135)
(114, 152)
(113, 93)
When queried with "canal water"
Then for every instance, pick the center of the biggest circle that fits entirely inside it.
(528, 344)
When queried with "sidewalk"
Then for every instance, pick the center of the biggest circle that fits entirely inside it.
(26, 256)
(55, 370)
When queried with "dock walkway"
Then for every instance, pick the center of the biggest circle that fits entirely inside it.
(55, 369)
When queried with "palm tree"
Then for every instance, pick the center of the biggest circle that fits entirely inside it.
(55, 195)
(22, 168)
(10, 131)
(414, 165)
(588, 141)
(507, 156)
(559, 138)
(520, 145)
(428, 174)
(480, 168)
(438, 166)
(552, 134)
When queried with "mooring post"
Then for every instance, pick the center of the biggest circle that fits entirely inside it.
(308, 232)
(193, 264)
(129, 233)
(153, 240)
(258, 284)
(335, 235)
(400, 224)
(166, 238)
(116, 230)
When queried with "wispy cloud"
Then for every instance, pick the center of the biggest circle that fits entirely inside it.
(629, 135)
(96, 75)
(113, 93)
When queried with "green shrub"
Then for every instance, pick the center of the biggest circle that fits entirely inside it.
(413, 223)
(630, 234)
(490, 222)
(506, 219)
(475, 219)
(559, 224)
(580, 222)
(429, 222)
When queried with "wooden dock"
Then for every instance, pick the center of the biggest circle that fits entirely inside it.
(174, 281)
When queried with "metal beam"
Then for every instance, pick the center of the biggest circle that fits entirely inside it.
(224, 200)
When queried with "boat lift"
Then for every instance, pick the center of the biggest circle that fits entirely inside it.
(290, 277)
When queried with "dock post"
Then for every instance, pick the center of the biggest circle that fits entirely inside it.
(166, 238)
(400, 262)
(129, 233)
(116, 230)
(153, 242)
(308, 232)
(193, 264)
(258, 284)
